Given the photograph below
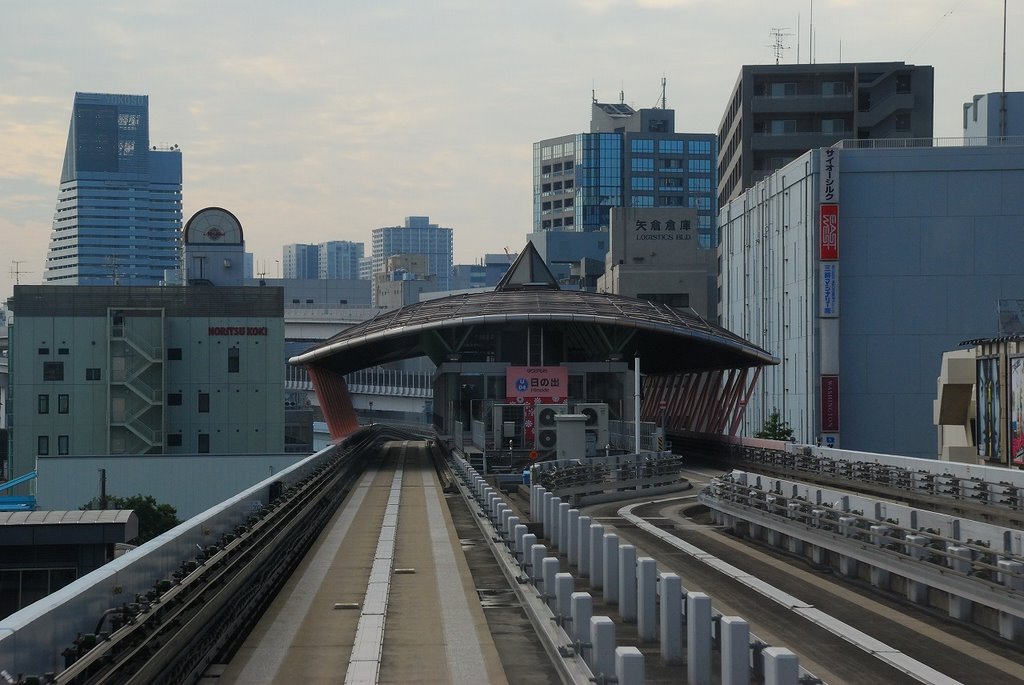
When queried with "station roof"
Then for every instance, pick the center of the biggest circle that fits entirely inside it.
(668, 340)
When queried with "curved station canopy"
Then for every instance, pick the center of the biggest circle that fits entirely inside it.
(527, 318)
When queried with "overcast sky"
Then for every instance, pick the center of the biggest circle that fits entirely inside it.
(316, 121)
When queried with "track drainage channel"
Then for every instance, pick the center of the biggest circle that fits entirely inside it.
(496, 598)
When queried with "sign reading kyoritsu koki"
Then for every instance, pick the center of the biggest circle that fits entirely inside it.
(829, 290)
(533, 385)
(668, 229)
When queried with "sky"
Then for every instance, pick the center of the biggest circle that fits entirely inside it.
(324, 119)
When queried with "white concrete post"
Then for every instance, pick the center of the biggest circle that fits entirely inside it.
(671, 624)
(545, 505)
(596, 552)
(520, 532)
(573, 526)
(735, 645)
(502, 513)
(549, 569)
(529, 540)
(959, 560)
(551, 521)
(629, 666)
(511, 523)
(563, 526)
(1010, 627)
(537, 554)
(916, 548)
(583, 553)
(698, 638)
(582, 609)
(646, 599)
(610, 568)
(564, 583)
(602, 641)
(781, 666)
(627, 583)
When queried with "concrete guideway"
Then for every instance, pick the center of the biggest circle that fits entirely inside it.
(431, 632)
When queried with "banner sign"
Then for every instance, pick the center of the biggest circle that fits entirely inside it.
(828, 225)
(829, 290)
(830, 404)
(829, 176)
(549, 383)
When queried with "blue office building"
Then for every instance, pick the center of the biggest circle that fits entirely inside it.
(118, 217)
(630, 158)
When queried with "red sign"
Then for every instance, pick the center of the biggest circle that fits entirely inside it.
(828, 225)
(830, 404)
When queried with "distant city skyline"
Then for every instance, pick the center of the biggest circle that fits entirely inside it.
(326, 122)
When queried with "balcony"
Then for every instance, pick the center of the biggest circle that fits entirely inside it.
(765, 104)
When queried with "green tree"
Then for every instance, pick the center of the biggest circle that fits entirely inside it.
(154, 518)
(775, 428)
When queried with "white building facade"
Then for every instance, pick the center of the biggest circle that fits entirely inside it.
(859, 268)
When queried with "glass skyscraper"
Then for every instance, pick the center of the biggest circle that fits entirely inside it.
(118, 217)
(630, 158)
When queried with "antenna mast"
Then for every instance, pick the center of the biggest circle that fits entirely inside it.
(16, 270)
(664, 105)
(1002, 96)
(778, 46)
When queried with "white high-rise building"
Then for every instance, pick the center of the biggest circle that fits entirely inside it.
(416, 236)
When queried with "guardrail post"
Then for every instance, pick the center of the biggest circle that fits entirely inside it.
(519, 532)
(549, 569)
(735, 638)
(545, 505)
(596, 551)
(583, 541)
(511, 522)
(573, 528)
(959, 560)
(610, 568)
(627, 583)
(500, 515)
(529, 540)
(917, 548)
(629, 666)
(563, 527)
(1010, 627)
(564, 583)
(698, 638)
(582, 609)
(551, 521)
(646, 599)
(537, 554)
(671, 624)
(781, 666)
(602, 640)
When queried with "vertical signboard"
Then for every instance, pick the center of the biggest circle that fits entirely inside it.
(829, 290)
(828, 230)
(829, 192)
(830, 404)
(1017, 411)
(988, 408)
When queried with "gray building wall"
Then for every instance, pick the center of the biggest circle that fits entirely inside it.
(982, 116)
(929, 241)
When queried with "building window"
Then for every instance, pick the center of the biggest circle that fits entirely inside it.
(62, 444)
(782, 90)
(44, 350)
(232, 360)
(173, 354)
(833, 126)
(642, 145)
(63, 350)
(698, 185)
(782, 126)
(700, 165)
(903, 83)
(700, 147)
(44, 404)
(92, 374)
(642, 163)
(833, 89)
(63, 404)
(643, 200)
(174, 399)
(903, 121)
(670, 147)
(204, 443)
(43, 445)
(204, 403)
(53, 371)
(174, 439)
(643, 183)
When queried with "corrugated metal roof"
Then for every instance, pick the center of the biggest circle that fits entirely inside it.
(35, 518)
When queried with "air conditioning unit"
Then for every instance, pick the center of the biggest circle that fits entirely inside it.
(545, 433)
(596, 426)
(506, 424)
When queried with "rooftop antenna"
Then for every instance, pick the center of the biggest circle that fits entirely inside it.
(778, 46)
(664, 104)
(1002, 95)
(798, 29)
(810, 31)
(593, 94)
(622, 94)
(16, 270)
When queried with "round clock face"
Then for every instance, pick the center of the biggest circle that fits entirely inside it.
(214, 225)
